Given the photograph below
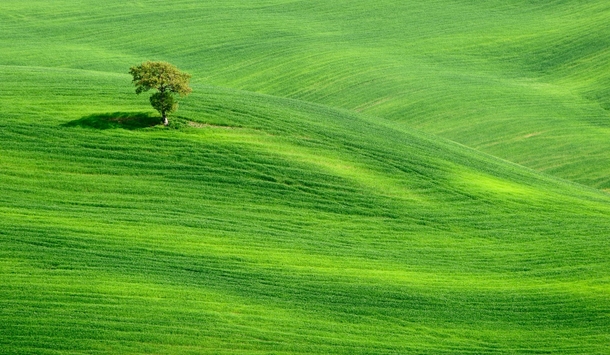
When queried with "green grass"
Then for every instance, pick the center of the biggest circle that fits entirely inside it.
(523, 80)
(289, 208)
(285, 227)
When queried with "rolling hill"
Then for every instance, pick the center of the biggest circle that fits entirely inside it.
(291, 207)
(523, 80)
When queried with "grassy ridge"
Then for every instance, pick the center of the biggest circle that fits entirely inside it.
(526, 81)
(267, 225)
(261, 224)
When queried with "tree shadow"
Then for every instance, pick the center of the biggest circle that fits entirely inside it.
(125, 120)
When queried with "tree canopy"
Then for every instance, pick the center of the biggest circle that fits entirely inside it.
(164, 77)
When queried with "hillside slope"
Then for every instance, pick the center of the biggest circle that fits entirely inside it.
(267, 225)
(527, 81)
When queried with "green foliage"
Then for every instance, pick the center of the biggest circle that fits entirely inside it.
(163, 102)
(162, 76)
(166, 79)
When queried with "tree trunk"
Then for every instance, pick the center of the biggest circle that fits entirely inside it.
(165, 121)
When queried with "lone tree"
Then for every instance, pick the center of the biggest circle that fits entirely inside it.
(166, 79)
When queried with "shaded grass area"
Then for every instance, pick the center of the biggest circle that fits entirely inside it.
(306, 230)
(126, 120)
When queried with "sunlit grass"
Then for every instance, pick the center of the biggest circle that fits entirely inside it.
(290, 207)
(272, 225)
(485, 74)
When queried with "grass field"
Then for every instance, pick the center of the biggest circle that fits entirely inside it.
(527, 81)
(291, 207)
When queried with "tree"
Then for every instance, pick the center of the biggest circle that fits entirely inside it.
(166, 79)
